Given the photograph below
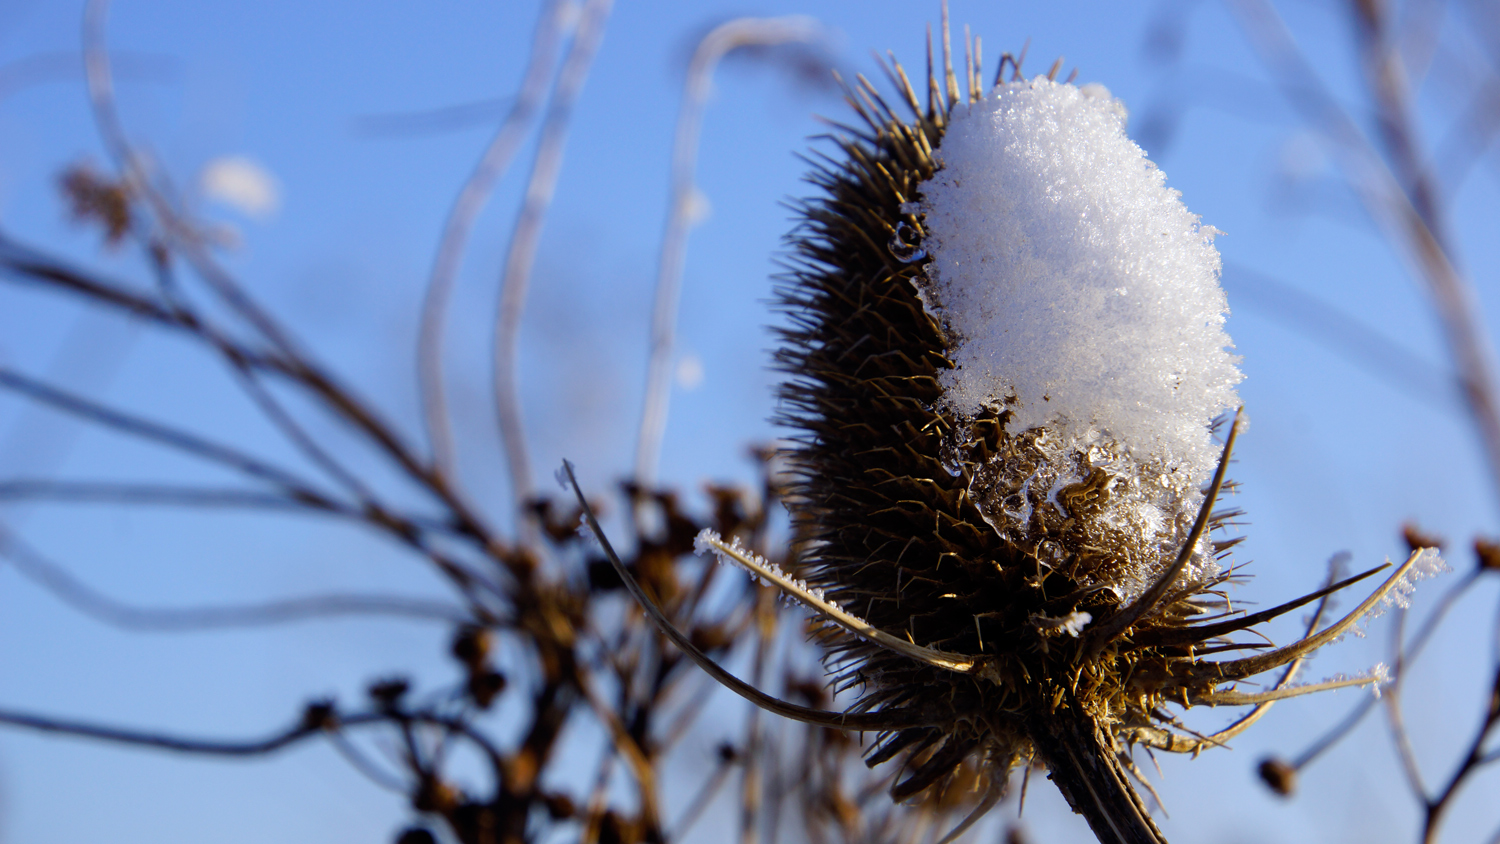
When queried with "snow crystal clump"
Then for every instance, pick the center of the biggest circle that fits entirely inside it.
(1077, 290)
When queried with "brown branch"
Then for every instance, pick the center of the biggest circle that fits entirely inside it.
(163, 741)
(212, 452)
(1438, 806)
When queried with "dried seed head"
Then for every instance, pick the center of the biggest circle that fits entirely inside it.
(1005, 360)
(1079, 299)
(1279, 776)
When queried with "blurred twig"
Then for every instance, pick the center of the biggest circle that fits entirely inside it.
(471, 199)
(520, 255)
(684, 208)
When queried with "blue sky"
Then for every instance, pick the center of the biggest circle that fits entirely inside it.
(1340, 451)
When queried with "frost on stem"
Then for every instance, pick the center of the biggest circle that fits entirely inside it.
(1080, 296)
(1429, 563)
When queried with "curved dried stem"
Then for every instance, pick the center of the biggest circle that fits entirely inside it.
(520, 255)
(1105, 632)
(682, 209)
(1232, 698)
(1250, 666)
(1164, 636)
(475, 193)
(860, 721)
(814, 599)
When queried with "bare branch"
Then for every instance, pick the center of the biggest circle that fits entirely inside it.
(163, 741)
(471, 199)
(165, 435)
(682, 211)
(521, 254)
(75, 593)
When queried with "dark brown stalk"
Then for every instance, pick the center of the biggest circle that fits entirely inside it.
(1085, 766)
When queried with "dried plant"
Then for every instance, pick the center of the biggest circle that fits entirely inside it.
(982, 645)
(963, 651)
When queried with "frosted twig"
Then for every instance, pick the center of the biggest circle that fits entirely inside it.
(1377, 677)
(471, 199)
(1407, 212)
(683, 207)
(1335, 564)
(521, 253)
(709, 542)
(881, 720)
(1250, 666)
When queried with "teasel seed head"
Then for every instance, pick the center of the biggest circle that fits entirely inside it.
(1001, 497)
(1005, 359)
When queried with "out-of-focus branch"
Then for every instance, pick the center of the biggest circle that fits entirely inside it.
(1395, 190)
(475, 193)
(520, 256)
(161, 434)
(1438, 806)
(683, 210)
(70, 590)
(163, 741)
(1325, 324)
(182, 238)
(142, 179)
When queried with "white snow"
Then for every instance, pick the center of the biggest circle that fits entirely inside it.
(1079, 292)
(1074, 281)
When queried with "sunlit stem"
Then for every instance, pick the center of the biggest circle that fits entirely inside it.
(1265, 662)
(1232, 698)
(813, 599)
(879, 721)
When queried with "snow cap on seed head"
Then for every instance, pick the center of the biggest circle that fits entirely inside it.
(1076, 288)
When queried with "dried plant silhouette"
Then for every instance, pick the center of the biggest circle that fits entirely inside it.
(958, 654)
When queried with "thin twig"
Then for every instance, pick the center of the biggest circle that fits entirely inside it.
(159, 433)
(520, 255)
(857, 721)
(682, 211)
(75, 593)
(249, 381)
(163, 741)
(187, 242)
(476, 191)
(705, 795)
(141, 178)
